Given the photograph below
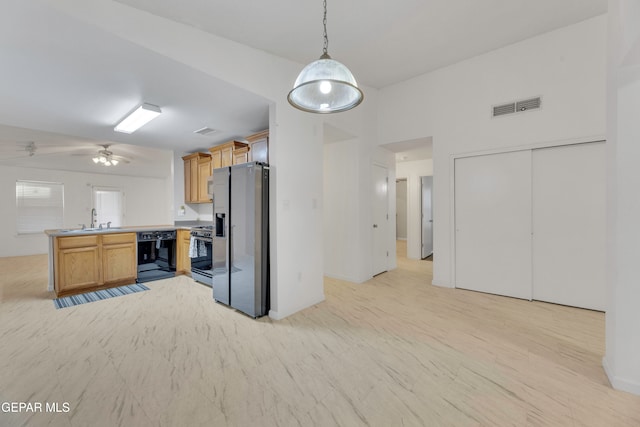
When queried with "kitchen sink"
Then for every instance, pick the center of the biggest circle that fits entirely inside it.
(79, 230)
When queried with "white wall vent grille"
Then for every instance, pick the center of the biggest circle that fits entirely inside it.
(501, 110)
(528, 104)
(517, 106)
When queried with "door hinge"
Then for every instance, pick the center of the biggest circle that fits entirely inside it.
(387, 253)
(387, 216)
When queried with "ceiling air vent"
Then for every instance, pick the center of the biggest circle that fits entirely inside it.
(528, 104)
(501, 110)
(516, 106)
(205, 131)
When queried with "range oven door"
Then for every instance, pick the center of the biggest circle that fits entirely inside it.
(201, 259)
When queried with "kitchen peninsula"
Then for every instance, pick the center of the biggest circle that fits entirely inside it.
(83, 260)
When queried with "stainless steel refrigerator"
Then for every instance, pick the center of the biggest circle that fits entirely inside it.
(241, 238)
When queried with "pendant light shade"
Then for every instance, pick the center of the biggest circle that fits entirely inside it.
(325, 86)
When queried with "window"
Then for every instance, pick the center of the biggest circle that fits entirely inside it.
(40, 206)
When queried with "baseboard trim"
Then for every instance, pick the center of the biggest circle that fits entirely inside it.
(618, 383)
(442, 284)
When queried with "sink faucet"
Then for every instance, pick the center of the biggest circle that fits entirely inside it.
(93, 215)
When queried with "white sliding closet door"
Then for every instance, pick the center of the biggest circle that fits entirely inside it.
(493, 223)
(569, 225)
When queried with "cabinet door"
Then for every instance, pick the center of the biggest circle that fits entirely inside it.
(216, 159)
(193, 191)
(77, 268)
(204, 172)
(187, 181)
(240, 156)
(227, 156)
(119, 263)
(183, 260)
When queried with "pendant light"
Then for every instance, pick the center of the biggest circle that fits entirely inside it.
(326, 85)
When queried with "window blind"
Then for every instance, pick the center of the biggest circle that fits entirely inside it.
(40, 206)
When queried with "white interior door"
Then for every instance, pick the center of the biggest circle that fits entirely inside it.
(493, 223)
(108, 206)
(569, 209)
(380, 219)
(426, 183)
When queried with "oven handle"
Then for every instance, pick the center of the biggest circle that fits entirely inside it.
(204, 239)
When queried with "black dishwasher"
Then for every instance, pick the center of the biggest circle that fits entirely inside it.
(156, 255)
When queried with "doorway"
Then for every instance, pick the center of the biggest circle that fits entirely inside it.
(401, 209)
(108, 206)
(380, 216)
(426, 215)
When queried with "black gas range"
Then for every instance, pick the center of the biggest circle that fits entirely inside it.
(201, 254)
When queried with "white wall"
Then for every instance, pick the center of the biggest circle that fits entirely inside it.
(348, 192)
(566, 67)
(623, 204)
(147, 202)
(412, 171)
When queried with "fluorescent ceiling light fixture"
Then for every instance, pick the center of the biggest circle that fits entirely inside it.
(138, 118)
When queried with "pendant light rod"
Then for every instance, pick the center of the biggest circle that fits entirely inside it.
(325, 49)
(325, 86)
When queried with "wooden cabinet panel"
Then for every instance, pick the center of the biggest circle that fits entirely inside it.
(241, 155)
(119, 264)
(183, 259)
(85, 263)
(216, 159)
(113, 239)
(197, 168)
(223, 155)
(204, 172)
(77, 241)
(77, 268)
(227, 156)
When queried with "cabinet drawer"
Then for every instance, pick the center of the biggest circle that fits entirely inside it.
(77, 241)
(113, 239)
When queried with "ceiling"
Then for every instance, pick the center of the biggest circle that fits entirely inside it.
(68, 82)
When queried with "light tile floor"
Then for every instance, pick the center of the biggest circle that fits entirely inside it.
(392, 351)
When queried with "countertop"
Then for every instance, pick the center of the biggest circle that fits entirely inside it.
(129, 229)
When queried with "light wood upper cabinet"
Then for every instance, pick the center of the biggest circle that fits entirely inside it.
(241, 155)
(259, 147)
(197, 169)
(183, 260)
(84, 263)
(226, 154)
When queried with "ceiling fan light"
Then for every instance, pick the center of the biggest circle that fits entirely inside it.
(114, 162)
(138, 118)
(96, 159)
(102, 159)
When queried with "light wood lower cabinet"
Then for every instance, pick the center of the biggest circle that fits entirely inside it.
(183, 259)
(77, 264)
(84, 263)
(119, 258)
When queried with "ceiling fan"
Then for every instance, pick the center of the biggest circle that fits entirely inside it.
(27, 149)
(106, 157)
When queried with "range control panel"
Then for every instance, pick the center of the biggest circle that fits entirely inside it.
(156, 235)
